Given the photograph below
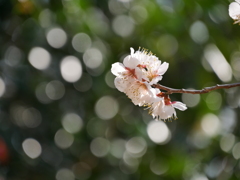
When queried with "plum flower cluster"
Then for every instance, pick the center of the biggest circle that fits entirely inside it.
(136, 77)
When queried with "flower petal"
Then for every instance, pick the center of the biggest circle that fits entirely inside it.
(130, 62)
(234, 10)
(117, 69)
(132, 51)
(123, 84)
(140, 93)
(168, 112)
(155, 80)
(163, 68)
(179, 105)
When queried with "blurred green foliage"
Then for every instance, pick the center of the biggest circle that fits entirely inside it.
(67, 121)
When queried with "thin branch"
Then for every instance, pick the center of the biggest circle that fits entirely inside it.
(202, 91)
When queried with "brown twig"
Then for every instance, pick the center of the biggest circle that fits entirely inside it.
(202, 91)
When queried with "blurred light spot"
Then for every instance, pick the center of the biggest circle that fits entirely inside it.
(123, 25)
(41, 93)
(130, 160)
(100, 147)
(126, 109)
(72, 123)
(56, 37)
(2, 177)
(96, 128)
(236, 151)
(46, 18)
(81, 42)
(158, 132)
(97, 71)
(101, 45)
(125, 1)
(106, 107)
(235, 61)
(191, 100)
(32, 148)
(13, 56)
(214, 100)
(109, 79)
(52, 156)
(198, 139)
(139, 14)
(199, 177)
(92, 58)
(84, 84)
(228, 119)
(167, 6)
(39, 58)
(219, 13)
(227, 142)
(71, 69)
(65, 174)
(117, 7)
(206, 65)
(233, 98)
(31, 117)
(100, 25)
(81, 170)
(235, 64)
(2, 87)
(199, 32)
(214, 168)
(63, 139)
(72, 11)
(136, 146)
(158, 167)
(210, 124)
(11, 86)
(118, 148)
(218, 62)
(167, 45)
(128, 169)
(55, 90)
(16, 112)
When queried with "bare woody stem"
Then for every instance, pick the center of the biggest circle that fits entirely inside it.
(202, 91)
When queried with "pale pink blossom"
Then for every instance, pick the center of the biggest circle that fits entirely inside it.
(141, 93)
(150, 65)
(126, 72)
(234, 11)
(164, 109)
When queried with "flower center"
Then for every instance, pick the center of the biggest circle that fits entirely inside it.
(131, 72)
(166, 97)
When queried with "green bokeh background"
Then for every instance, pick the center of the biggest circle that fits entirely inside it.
(204, 140)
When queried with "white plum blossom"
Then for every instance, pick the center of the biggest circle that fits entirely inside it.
(234, 11)
(126, 72)
(141, 93)
(150, 65)
(163, 108)
(136, 77)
